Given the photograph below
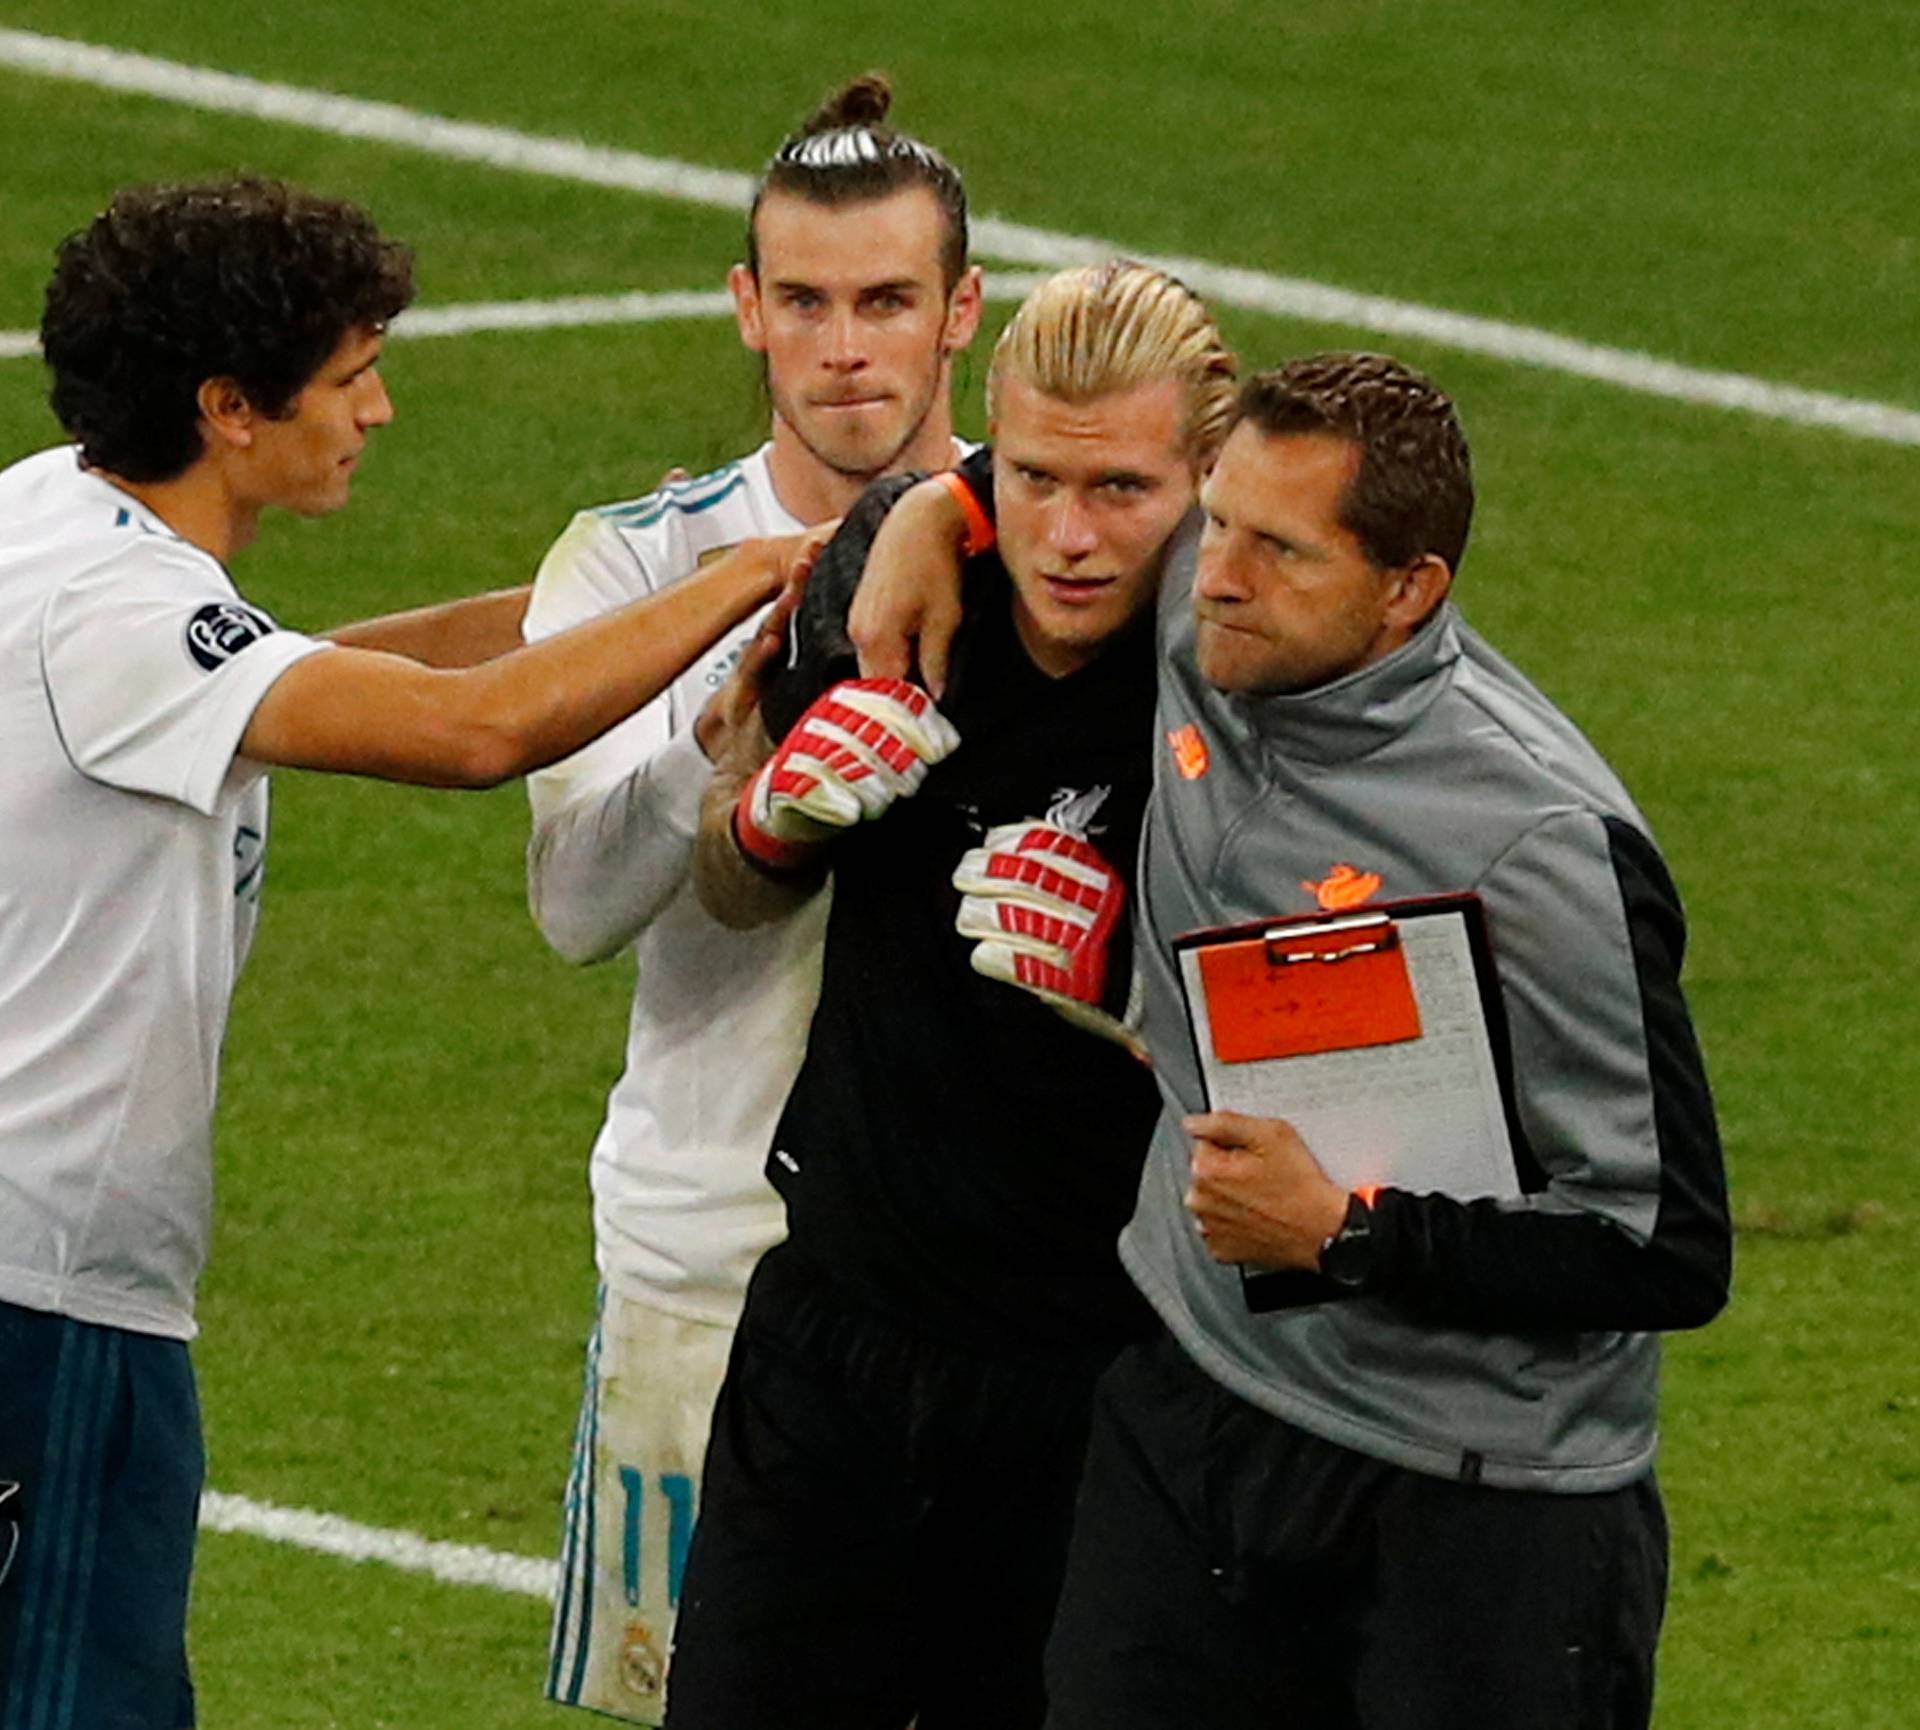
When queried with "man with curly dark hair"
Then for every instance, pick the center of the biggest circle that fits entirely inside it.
(215, 353)
(170, 286)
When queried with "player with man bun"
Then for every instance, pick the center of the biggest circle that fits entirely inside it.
(856, 293)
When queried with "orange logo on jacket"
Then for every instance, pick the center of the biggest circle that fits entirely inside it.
(1189, 752)
(1342, 888)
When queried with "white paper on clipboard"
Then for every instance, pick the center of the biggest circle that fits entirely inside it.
(1424, 1114)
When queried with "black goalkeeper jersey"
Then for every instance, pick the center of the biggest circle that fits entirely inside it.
(953, 1151)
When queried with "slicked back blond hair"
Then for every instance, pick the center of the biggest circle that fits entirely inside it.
(1103, 328)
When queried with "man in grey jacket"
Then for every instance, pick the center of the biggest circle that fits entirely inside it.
(1427, 1501)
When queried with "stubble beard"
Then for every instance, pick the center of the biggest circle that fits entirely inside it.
(1231, 662)
(846, 467)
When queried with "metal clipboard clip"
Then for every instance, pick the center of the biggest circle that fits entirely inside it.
(1373, 934)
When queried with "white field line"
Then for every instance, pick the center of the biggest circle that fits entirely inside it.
(1227, 285)
(331, 1535)
(637, 308)
(499, 147)
(381, 122)
(571, 312)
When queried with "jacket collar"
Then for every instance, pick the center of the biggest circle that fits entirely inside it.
(1367, 708)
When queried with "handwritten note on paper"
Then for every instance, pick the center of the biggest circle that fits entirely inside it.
(1422, 1114)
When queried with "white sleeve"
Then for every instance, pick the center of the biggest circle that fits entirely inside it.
(613, 825)
(154, 666)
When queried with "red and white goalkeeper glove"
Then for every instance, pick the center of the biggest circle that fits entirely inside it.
(1044, 905)
(859, 746)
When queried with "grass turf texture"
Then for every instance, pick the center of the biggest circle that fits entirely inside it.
(362, 1647)
(1721, 183)
(401, 1275)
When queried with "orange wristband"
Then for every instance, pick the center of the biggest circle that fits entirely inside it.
(980, 530)
(768, 852)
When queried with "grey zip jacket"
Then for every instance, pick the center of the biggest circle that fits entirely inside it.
(1512, 1343)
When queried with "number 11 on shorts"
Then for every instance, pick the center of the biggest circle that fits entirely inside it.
(676, 1490)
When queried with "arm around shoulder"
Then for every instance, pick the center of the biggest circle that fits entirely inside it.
(908, 606)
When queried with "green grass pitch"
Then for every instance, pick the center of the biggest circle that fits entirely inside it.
(401, 1275)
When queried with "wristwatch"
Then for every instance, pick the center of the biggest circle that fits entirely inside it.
(1346, 1258)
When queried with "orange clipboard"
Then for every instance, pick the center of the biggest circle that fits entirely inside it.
(1322, 985)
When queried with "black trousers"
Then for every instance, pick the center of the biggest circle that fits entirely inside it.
(1229, 1571)
(882, 1528)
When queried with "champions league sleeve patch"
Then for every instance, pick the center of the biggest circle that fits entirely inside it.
(221, 629)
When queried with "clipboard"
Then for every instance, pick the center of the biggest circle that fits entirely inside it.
(1380, 1034)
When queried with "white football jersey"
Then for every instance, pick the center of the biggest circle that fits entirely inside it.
(682, 1209)
(131, 851)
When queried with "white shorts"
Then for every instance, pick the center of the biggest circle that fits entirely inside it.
(631, 1498)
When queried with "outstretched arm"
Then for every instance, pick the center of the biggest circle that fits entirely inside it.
(365, 712)
(459, 633)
